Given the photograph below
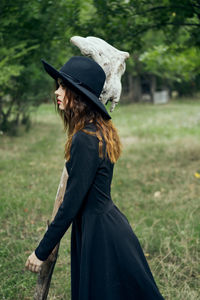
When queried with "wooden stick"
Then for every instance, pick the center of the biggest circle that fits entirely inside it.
(44, 277)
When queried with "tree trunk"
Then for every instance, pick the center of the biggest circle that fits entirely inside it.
(44, 277)
(137, 89)
(130, 87)
(152, 87)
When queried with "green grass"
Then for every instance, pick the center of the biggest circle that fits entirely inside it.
(153, 185)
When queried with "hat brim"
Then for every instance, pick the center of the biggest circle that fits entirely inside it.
(68, 80)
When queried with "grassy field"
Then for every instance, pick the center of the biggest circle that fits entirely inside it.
(153, 184)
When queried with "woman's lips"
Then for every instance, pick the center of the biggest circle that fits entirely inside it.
(58, 101)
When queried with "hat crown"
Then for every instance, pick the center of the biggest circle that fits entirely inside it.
(85, 76)
(85, 71)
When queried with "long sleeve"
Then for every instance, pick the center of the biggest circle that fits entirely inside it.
(83, 164)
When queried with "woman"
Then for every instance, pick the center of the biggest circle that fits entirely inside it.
(107, 261)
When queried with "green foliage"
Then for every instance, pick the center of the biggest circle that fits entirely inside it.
(31, 30)
(166, 62)
(127, 21)
(161, 36)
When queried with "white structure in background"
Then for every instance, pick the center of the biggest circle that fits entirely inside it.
(110, 59)
(161, 97)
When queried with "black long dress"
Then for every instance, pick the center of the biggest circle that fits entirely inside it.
(107, 261)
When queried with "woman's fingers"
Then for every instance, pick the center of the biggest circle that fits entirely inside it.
(37, 269)
(33, 268)
(33, 264)
(29, 266)
(26, 265)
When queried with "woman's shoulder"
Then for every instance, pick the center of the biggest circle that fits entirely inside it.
(82, 137)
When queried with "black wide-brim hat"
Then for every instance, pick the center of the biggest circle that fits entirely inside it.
(85, 75)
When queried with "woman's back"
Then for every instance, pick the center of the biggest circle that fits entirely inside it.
(98, 198)
(107, 261)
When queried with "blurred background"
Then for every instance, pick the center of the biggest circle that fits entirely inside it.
(162, 38)
(156, 181)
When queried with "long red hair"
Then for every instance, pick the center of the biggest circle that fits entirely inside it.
(77, 113)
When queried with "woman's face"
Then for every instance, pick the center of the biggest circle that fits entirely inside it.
(61, 95)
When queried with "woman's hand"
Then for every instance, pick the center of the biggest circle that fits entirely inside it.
(33, 264)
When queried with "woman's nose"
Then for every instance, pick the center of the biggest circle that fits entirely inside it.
(56, 92)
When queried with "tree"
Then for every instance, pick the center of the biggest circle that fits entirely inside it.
(168, 64)
(129, 24)
(137, 17)
(30, 31)
(41, 29)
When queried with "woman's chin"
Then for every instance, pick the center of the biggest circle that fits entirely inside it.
(60, 106)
